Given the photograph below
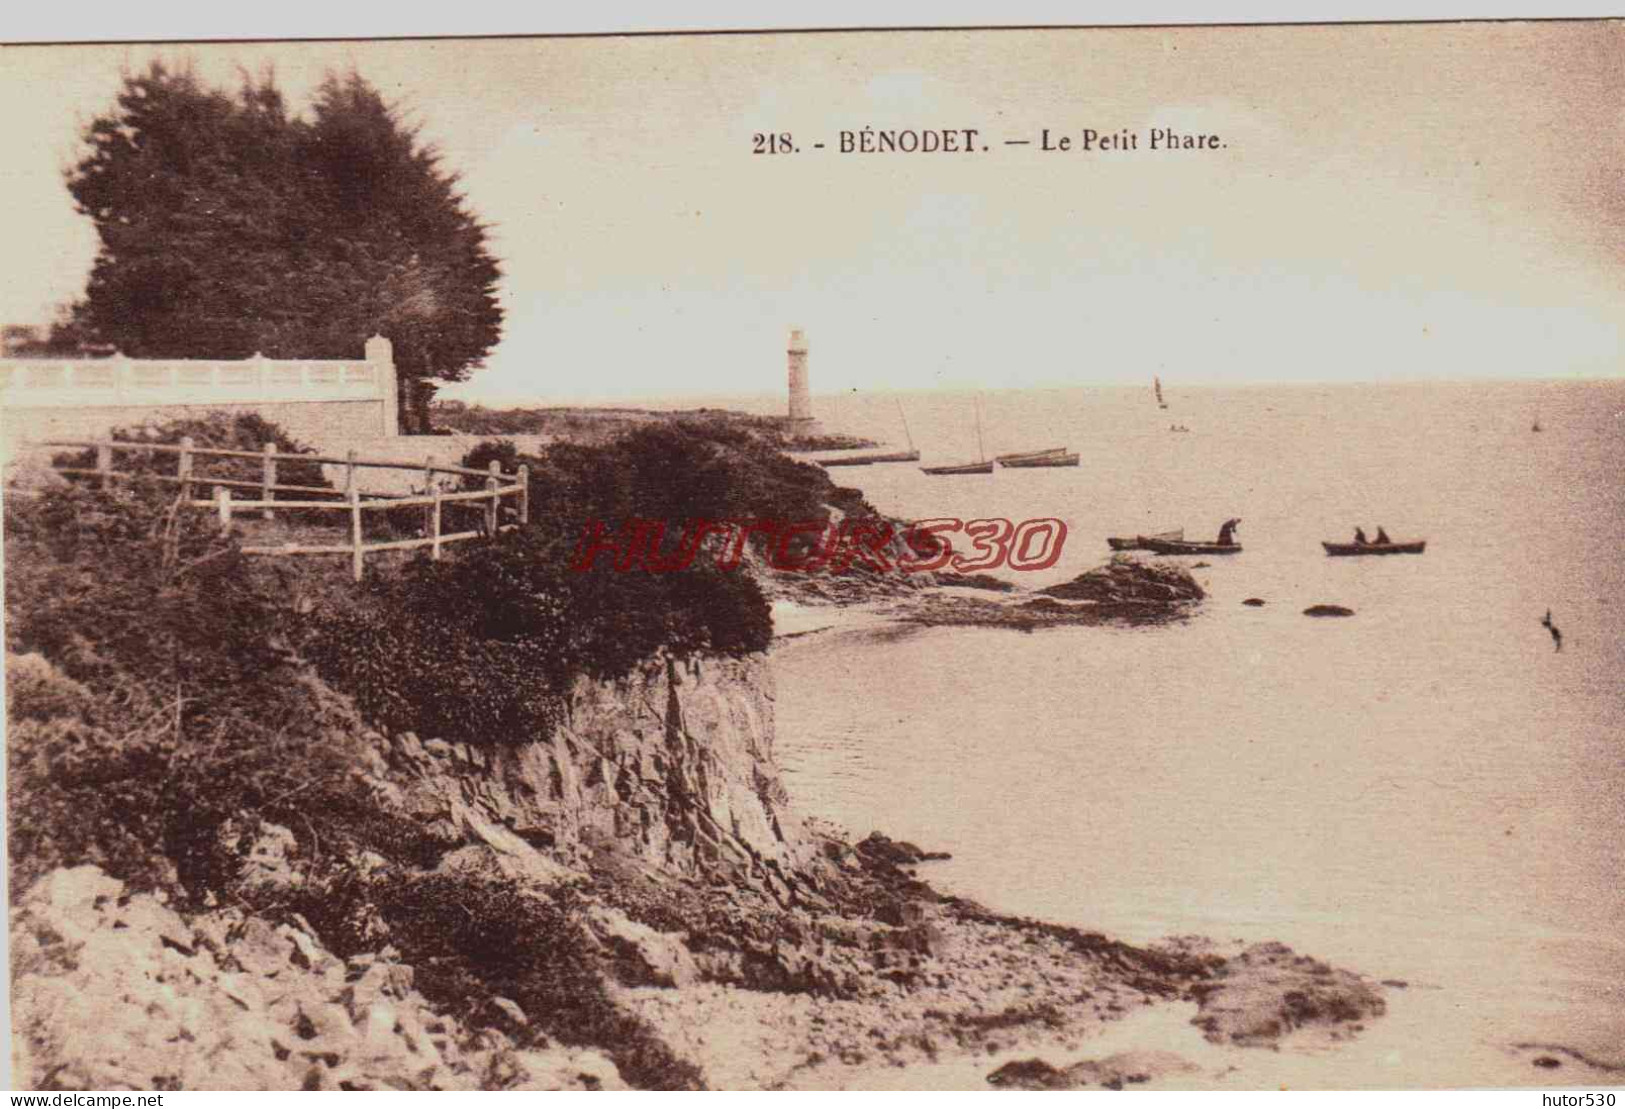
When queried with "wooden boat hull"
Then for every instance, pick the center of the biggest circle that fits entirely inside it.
(1344, 550)
(1180, 547)
(1019, 456)
(1033, 463)
(870, 459)
(1138, 542)
(962, 468)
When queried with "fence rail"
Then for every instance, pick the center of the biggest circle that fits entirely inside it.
(498, 486)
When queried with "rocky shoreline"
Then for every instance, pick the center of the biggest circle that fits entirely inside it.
(738, 992)
(628, 899)
(1128, 590)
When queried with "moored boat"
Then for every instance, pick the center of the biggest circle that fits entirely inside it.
(981, 466)
(961, 468)
(1338, 550)
(1137, 543)
(870, 459)
(1029, 462)
(1182, 547)
(1019, 456)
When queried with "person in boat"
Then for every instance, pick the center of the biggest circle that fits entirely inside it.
(1227, 533)
(1359, 537)
(1382, 536)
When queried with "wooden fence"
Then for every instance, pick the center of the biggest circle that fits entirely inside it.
(497, 487)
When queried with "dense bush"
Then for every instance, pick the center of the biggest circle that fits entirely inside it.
(155, 700)
(676, 472)
(483, 646)
(241, 431)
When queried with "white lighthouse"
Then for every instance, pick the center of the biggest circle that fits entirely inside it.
(800, 397)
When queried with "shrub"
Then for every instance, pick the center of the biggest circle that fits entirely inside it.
(483, 647)
(150, 699)
(474, 939)
(241, 431)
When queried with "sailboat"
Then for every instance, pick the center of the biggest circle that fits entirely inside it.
(910, 455)
(1029, 456)
(1156, 385)
(982, 465)
(1041, 458)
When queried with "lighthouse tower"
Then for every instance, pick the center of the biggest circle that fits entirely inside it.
(800, 399)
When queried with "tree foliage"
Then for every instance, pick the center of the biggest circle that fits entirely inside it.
(230, 226)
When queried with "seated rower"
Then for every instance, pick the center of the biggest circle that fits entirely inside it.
(1382, 536)
(1227, 533)
(1359, 537)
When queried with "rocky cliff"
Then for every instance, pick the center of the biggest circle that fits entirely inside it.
(629, 900)
(672, 766)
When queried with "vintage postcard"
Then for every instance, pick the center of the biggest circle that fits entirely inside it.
(1048, 558)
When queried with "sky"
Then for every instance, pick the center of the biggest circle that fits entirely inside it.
(1390, 202)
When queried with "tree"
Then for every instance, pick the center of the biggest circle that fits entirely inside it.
(229, 226)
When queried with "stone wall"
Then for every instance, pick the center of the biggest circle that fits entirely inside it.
(319, 423)
(321, 402)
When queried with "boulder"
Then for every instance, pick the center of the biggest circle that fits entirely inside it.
(640, 955)
(1126, 579)
(1268, 991)
(114, 991)
(1112, 1072)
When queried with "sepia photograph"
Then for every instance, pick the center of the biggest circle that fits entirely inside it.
(917, 559)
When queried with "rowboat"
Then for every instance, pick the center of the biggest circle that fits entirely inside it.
(1021, 456)
(1137, 543)
(962, 468)
(1181, 547)
(1046, 459)
(982, 466)
(870, 459)
(1343, 549)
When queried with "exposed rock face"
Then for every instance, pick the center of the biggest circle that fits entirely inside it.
(1126, 579)
(673, 765)
(1112, 1072)
(1267, 991)
(112, 991)
(1124, 591)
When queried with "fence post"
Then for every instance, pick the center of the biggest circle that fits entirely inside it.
(524, 494)
(492, 485)
(222, 504)
(183, 469)
(434, 548)
(268, 478)
(355, 529)
(104, 463)
(428, 488)
(349, 470)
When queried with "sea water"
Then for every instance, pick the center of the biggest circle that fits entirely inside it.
(1425, 792)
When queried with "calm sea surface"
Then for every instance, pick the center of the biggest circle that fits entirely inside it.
(1425, 791)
